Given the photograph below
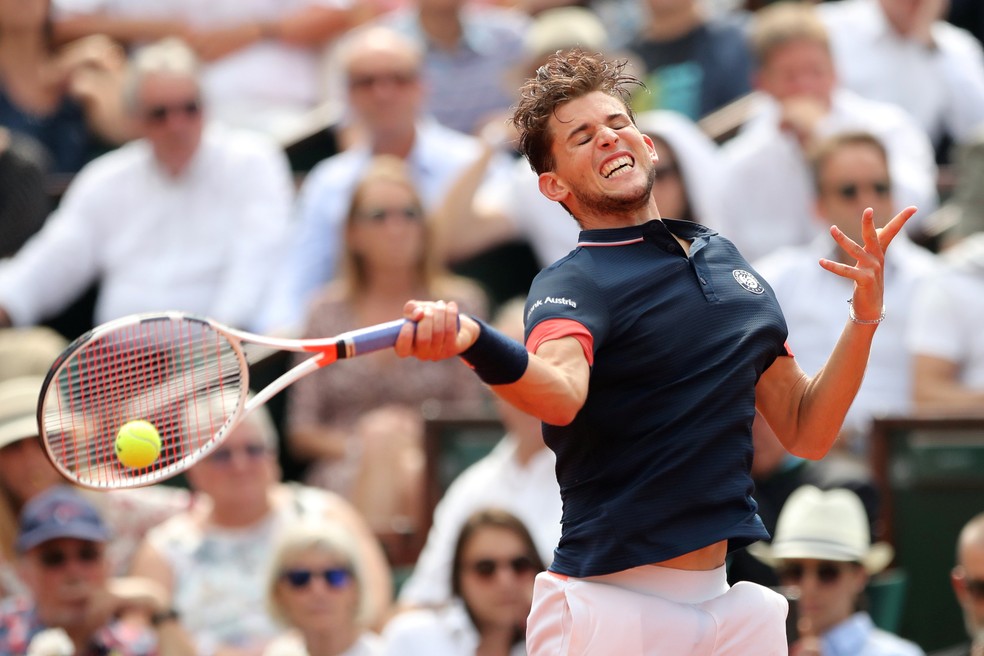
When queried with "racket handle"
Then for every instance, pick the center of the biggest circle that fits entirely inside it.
(373, 338)
(367, 340)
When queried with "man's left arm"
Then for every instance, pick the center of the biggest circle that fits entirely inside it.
(807, 413)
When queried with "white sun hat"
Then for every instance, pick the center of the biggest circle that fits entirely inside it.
(824, 525)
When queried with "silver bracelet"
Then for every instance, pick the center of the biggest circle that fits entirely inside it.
(864, 322)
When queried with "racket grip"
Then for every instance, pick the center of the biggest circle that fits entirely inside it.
(373, 338)
(367, 340)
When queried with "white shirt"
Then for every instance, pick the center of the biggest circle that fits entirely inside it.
(948, 312)
(768, 192)
(439, 155)
(942, 88)
(206, 242)
(445, 632)
(247, 88)
(498, 480)
(813, 300)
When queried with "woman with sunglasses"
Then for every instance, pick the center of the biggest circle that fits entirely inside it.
(360, 428)
(495, 563)
(822, 553)
(316, 589)
(213, 558)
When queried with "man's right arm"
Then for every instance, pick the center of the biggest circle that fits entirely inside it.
(554, 385)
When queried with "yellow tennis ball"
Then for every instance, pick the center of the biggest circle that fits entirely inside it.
(138, 444)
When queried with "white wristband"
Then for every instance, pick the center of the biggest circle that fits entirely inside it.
(865, 322)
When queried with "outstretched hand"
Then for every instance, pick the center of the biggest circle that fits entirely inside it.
(435, 331)
(868, 274)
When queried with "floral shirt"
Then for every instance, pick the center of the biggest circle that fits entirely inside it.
(20, 625)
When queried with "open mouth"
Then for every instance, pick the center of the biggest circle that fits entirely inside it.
(617, 167)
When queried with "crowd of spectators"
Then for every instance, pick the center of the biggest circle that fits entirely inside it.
(146, 164)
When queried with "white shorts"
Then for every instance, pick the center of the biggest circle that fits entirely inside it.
(655, 611)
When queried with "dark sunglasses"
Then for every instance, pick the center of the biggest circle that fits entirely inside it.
(487, 567)
(974, 587)
(55, 558)
(393, 78)
(852, 190)
(826, 573)
(223, 456)
(380, 214)
(160, 113)
(300, 578)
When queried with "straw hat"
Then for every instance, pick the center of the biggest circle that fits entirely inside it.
(18, 408)
(824, 525)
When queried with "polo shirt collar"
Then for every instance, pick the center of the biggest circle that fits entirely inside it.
(656, 229)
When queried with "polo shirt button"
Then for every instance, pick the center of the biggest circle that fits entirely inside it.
(703, 281)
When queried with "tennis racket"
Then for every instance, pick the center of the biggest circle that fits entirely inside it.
(187, 375)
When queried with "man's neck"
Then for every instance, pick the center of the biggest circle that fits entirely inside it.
(396, 144)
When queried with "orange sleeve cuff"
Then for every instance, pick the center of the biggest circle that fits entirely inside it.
(552, 329)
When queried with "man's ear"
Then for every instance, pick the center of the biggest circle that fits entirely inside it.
(553, 187)
(651, 145)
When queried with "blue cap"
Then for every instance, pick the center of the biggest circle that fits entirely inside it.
(59, 512)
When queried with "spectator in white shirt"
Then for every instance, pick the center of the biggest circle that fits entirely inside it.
(518, 476)
(905, 53)
(767, 188)
(382, 72)
(186, 218)
(850, 172)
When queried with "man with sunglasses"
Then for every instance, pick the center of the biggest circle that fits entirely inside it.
(967, 579)
(851, 171)
(62, 558)
(767, 190)
(189, 216)
(822, 550)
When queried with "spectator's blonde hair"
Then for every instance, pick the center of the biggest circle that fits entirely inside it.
(325, 537)
(783, 23)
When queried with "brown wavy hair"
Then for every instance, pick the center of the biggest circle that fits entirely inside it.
(566, 75)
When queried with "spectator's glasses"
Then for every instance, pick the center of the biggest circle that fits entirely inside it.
(52, 558)
(486, 568)
(826, 573)
(223, 456)
(366, 81)
(337, 577)
(380, 214)
(974, 587)
(160, 113)
(851, 190)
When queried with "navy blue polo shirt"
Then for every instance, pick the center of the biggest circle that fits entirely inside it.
(656, 464)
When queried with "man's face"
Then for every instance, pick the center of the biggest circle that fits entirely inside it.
(968, 584)
(798, 68)
(828, 590)
(63, 575)
(853, 178)
(603, 164)
(384, 88)
(169, 113)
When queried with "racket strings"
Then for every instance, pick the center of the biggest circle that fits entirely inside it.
(182, 376)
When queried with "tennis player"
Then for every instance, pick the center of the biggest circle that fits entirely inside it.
(648, 350)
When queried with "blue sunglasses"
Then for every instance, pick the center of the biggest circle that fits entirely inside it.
(300, 578)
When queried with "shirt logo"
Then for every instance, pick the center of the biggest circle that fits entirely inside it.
(748, 281)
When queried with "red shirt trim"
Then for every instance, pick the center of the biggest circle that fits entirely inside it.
(551, 329)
